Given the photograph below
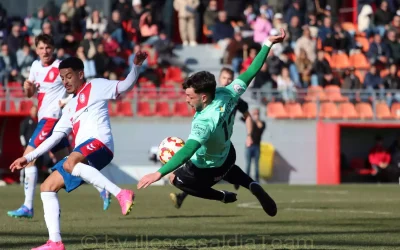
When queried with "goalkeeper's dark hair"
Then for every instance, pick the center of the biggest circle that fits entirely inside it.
(71, 62)
(44, 38)
(202, 82)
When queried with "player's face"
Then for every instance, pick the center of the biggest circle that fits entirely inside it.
(45, 52)
(71, 79)
(225, 78)
(195, 100)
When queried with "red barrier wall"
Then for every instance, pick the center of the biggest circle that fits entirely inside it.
(328, 148)
(11, 146)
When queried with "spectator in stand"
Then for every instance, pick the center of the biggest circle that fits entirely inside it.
(234, 52)
(63, 29)
(274, 64)
(294, 10)
(395, 25)
(89, 66)
(8, 66)
(61, 55)
(136, 14)
(35, 23)
(392, 82)
(82, 11)
(340, 40)
(124, 7)
(306, 43)
(379, 158)
(186, 12)
(48, 29)
(234, 9)
(383, 16)
(114, 27)
(15, 40)
(325, 30)
(351, 82)
(247, 60)
(68, 7)
(379, 52)
(321, 70)
(223, 30)
(112, 49)
(211, 15)
(96, 23)
(294, 31)
(261, 27)
(365, 23)
(89, 44)
(312, 24)
(148, 29)
(249, 14)
(25, 59)
(103, 63)
(394, 46)
(278, 22)
(373, 82)
(304, 67)
(286, 86)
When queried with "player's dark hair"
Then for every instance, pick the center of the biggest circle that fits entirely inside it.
(71, 62)
(228, 70)
(44, 38)
(202, 82)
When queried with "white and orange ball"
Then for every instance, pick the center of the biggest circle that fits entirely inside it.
(169, 147)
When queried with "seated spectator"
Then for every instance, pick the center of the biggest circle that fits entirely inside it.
(394, 46)
(274, 64)
(25, 59)
(96, 23)
(373, 81)
(340, 40)
(321, 70)
(223, 30)
(61, 55)
(247, 60)
(114, 27)
(286, 86)
(8, 65)
(379, 52)
(68, 7)
(395, 24)
(261, 28)
(392, 82)
(47, 29)
(306, 43)
(294, 10)
(211, 15)
(89, 65)
(124, 7)
(304, 67)
(103, 63)
(278, 22)
(250, 15)
(234, 52)
(16, 39)
(312, 24)
(383, 16)
(89, 44)
(325, 30)
(112, 49)
(379, 158)
(294, 31)
(82, 11)
(148, 29)
(351, 82)
(35, 23)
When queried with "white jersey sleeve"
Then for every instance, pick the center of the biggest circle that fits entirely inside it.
(111, 89)
(64, 125)
(31, 72)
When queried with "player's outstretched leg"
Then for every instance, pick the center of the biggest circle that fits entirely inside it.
(30, 181)
(178, 198)
(89, 174)
(105, 196)
(202, 191)
(236, 186)
(237, 176)
(51, 209)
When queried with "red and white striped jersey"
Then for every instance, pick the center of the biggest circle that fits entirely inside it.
(50, 88)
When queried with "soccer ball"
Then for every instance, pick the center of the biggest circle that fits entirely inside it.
(168, 147)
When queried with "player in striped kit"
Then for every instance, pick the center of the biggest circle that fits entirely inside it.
(44, 79)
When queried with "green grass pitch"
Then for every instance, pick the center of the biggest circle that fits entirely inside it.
(309, 217)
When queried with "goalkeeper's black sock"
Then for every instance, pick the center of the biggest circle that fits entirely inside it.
(236, 176)
(182, 195)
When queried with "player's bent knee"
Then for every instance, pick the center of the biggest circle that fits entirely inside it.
(68, 166)
(171, 179)
(49, 187)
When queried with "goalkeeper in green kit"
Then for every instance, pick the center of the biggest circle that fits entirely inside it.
(208, 155)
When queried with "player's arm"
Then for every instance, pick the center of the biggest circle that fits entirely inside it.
(259, 60)
(131, 78)
(243, 107)
(29, 84)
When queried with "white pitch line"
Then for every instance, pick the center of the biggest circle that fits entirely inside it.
(258, 206)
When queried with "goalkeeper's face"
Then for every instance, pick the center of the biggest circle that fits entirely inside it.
(195, 100)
